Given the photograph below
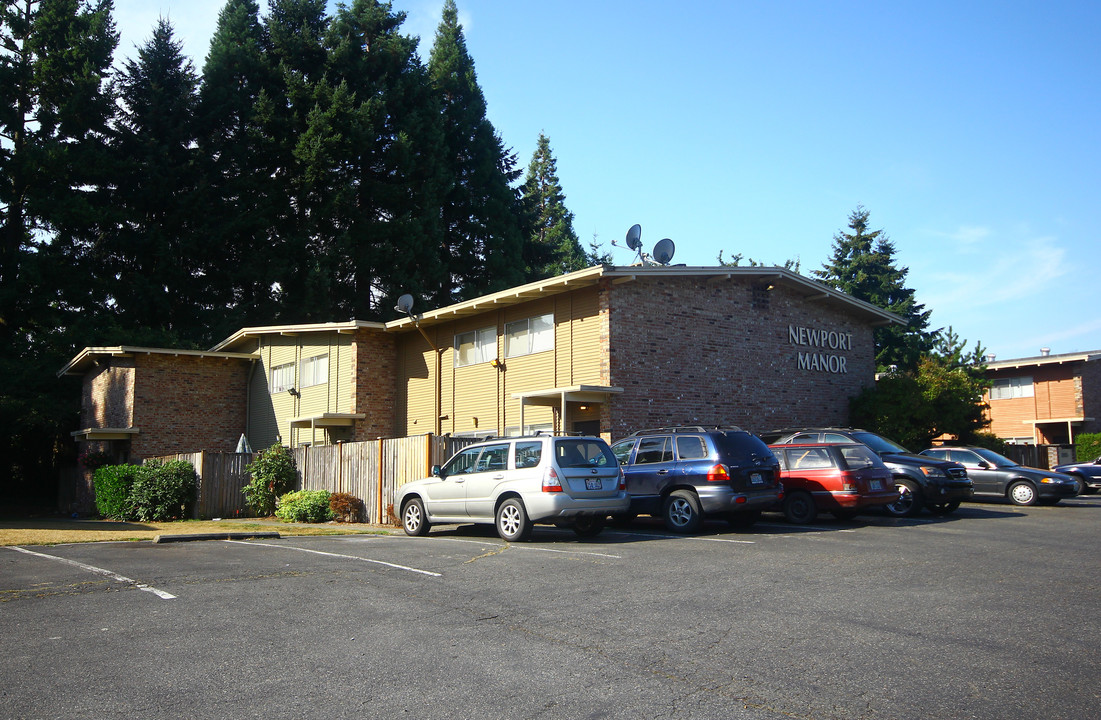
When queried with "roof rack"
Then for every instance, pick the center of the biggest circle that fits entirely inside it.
(683, 428)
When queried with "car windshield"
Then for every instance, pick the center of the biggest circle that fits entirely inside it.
(878, 443)
(994, 458)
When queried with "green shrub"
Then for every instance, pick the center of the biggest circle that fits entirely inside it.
(1088, 446)
(273, 475)
(164, 490)
(347, 508)
(113, 484)
(304, 506)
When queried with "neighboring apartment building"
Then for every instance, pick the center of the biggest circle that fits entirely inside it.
(1045, 400)
(605, 350)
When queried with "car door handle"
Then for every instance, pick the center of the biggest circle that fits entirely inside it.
(499, 476)
(460, 480)
(663, 471)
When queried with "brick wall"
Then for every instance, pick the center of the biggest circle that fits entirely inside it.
(1090, 375)
(375, 386)
(108, 395)
(705, 351)
(187, 404)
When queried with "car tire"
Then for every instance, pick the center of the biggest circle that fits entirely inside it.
(414, 519)
(588, 526)
(799, 508)
(512, 520)
(910, 500)
(681, 512)
(945, 508)
(1022, 493)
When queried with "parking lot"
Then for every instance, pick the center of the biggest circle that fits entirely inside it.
(991, 612)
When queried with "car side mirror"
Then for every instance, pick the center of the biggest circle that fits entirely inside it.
(982, 464)
(435, 472)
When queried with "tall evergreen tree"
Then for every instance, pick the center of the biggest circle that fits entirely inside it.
(155, 255)
(863, 266)
(553, 248)
(241, 196)
(483, 236)
(55, 58)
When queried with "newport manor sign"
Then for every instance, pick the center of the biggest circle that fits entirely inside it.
(825, 340)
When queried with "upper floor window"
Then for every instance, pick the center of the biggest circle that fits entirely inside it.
(530, 335)
(282, 378)
(1016, 387)
(476, 346)
(315, 370)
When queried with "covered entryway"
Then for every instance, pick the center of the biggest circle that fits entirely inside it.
(577, 405)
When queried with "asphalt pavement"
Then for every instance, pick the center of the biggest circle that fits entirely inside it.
(990, 613)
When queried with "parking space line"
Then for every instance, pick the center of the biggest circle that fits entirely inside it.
(338, 555)
(92, 568)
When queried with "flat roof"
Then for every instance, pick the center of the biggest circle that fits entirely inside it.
(1044, 360)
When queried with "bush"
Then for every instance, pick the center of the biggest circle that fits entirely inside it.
(304, 506)
(113, 484)
(273, 475)
(1088, 446)
(347, 508)
(164, 490)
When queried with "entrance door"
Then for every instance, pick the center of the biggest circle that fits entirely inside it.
(587, 427)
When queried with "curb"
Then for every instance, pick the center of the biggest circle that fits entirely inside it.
(214, 536)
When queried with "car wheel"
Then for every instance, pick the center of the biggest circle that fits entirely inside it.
(799, 508)
(682, 511)
(414, 519)
(944, 508)
(909, 502)
(512, 520)
(589, 526)
(1022, 493)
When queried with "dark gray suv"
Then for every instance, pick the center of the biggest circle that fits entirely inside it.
(682, 474)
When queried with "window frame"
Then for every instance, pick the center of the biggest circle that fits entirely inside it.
(483, 351)
(1012, 388)
(308, 370)
(288, 383)
(534, 341)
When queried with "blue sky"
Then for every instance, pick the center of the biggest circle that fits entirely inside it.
(971, 131)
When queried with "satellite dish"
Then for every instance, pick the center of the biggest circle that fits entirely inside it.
(634, 237)
(663, 251)
(405, 304)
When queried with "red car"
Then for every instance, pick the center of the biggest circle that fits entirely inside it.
(841, 478)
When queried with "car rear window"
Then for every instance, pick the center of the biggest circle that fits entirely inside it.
(858, 457)
(741, 447)
(583, 453)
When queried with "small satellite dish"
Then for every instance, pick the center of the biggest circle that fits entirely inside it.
(663, 251)
(634, 237)
(405, 304)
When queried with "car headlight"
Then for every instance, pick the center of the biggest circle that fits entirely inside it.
(933, 472)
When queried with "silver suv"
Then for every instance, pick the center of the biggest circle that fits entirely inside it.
(516, 482)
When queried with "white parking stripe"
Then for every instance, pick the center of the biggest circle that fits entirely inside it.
(92, 568)
(338, 555)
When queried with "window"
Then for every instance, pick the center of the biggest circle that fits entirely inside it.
(315, 370)
(282, 378)
(809, 459)
(654, 450)
(463, 463)
(1006, 388)
(528, 454)
(476, 346)
(530, 335)
(493, 458)
(691, 447)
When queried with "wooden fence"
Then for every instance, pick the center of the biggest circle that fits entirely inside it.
(371, 470)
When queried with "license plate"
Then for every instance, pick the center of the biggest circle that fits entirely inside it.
(593, 484)
(875, 485)
(756, 479)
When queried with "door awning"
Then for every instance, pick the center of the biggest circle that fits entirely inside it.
(559, 397)
(92, 434)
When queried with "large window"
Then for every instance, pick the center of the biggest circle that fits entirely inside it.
(1006, 388)
(282, 378)
(530, 335)
(476, 346)
(315, 370)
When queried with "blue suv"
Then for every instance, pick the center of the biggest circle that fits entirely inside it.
(682, 474)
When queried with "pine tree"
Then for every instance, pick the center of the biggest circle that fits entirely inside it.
(483, 236)
(553, 248)
(238, 165)
(55, 58)
(156, 255)
(863, 266)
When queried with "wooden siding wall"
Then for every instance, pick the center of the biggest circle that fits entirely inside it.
(270, 414)
(1057, 394)
(478, 398)
(371, 471)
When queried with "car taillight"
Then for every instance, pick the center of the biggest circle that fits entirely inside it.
(718, 473)
(622, 480)
(848, 484)
(551, 483)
